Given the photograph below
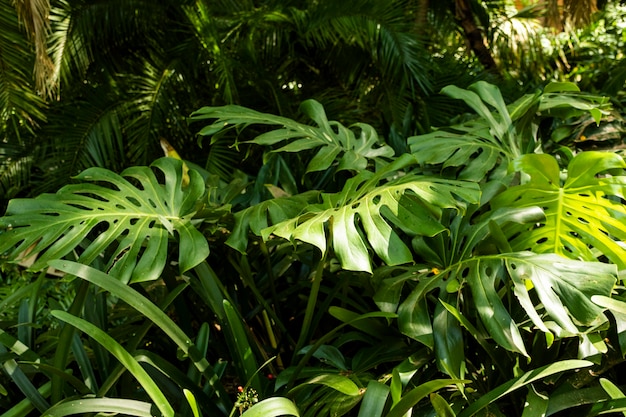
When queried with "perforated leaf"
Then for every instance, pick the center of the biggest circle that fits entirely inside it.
(585, 214)
(262, 215)
(127, 218)
(349, 148)
(564, 288)
(501, 132)
(363, 213)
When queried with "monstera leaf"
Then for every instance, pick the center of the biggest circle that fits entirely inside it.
(585, 213)
(484, 142)
(555, 292)
(502, 132)
(127, 218)
(363, 213)
(334, 140)
(262, 215)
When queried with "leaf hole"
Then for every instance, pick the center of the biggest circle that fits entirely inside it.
(134, 201)
(465, 272)
(542, 240)
(80, 206)
(583, 221)
(376, 199)
(133, 221)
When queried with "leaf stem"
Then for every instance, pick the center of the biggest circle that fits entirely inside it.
(310, 306)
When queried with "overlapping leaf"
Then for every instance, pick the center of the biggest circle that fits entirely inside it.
(483, 142)
(129, 218)
(501, 132)
(585, 215)
(264, 214)
(363, 213)
(336, 142)
(564, 288)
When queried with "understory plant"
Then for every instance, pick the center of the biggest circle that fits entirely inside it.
(476, 274)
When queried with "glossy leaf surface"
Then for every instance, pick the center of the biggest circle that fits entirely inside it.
(131, 217)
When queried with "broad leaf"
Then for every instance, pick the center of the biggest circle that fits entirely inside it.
(585, 215)
(129, 217)
(564, 288)
(517, 383)
(363, 213)
(351, 148)
(260, 216)
(484, 277)
(501, 132)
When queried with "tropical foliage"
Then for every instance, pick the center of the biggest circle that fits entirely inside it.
(363, 224)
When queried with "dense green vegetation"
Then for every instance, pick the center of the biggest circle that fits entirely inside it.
(363, 209)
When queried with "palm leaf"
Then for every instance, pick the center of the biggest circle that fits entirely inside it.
(135, 220)
(18, 99)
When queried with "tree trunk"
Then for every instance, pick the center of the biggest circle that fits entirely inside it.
(474, 36)
(421, 17)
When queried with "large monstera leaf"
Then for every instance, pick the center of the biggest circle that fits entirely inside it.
(478, 145)
(501, 132)
(361, 216)
(585, 215)
(555, 292)
(127, 218)
(351, 149)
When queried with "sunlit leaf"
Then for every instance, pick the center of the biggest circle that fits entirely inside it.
(133, 215)
(583, 214)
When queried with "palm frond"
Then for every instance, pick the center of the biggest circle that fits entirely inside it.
(15, 167)
(79, 135)
(18, 100)
(33, 14)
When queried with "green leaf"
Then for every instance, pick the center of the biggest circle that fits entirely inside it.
(536, 403)
(262, 215)
(20, 379)
(413, 313)
(449, 344)
(416, 394)
(374, 399)
(584, 216)
(101, 405)
(478, 153)
(242, 349)
(412, 203)
(355, 146)
(273, 407)
(133, 215)
(142, 305)
(483, 276)
(564, 287)
(329, 355)
(339, 383)
(517, 383)
(559, 87)
(441, 406)
(191, 399)
(123, 356)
